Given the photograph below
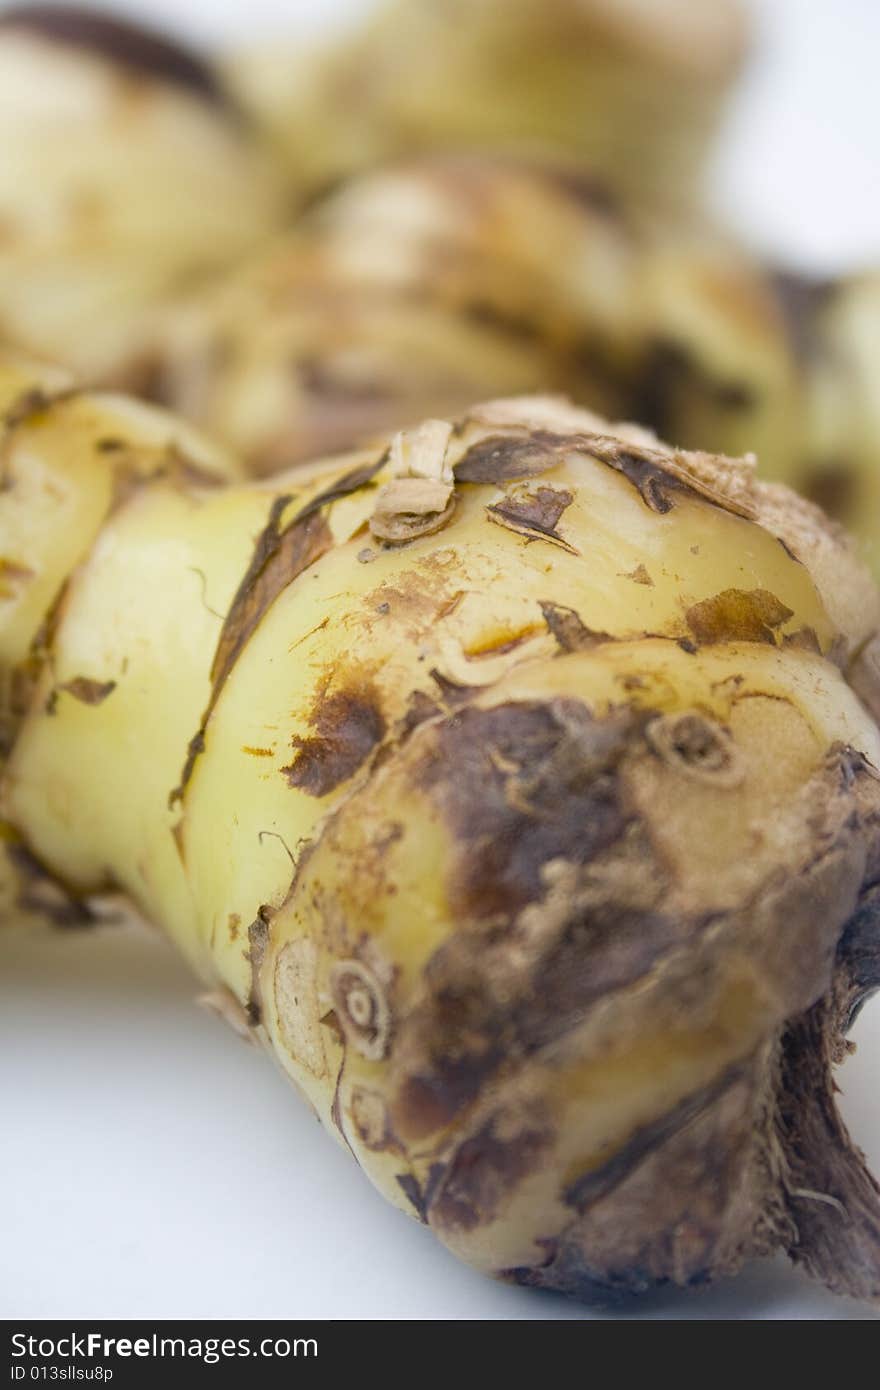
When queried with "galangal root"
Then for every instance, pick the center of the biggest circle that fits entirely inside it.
(416, 290)
(511, 783)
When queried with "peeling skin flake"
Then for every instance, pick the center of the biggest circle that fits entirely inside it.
(420, 498)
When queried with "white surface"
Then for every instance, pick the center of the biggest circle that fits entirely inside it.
(153, 1165)
(799, 168)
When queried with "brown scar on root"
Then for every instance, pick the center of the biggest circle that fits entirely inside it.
(534, 515)
(486, 1168)
(421, 1197)
(255, 955)
(195, 746)
(420, 707)
(348, 725)
(571, 633)
(583, 907)
(533, 798)
(26, 675)
(280, 555)
(506, 458)
(372, 1122)
(452, 693)
(647, 1228)
(597, 1183)
(657, 474)
(737, 615)
(639, 576)
(87, 690)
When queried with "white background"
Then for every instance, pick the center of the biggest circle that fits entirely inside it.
(154, 1166)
